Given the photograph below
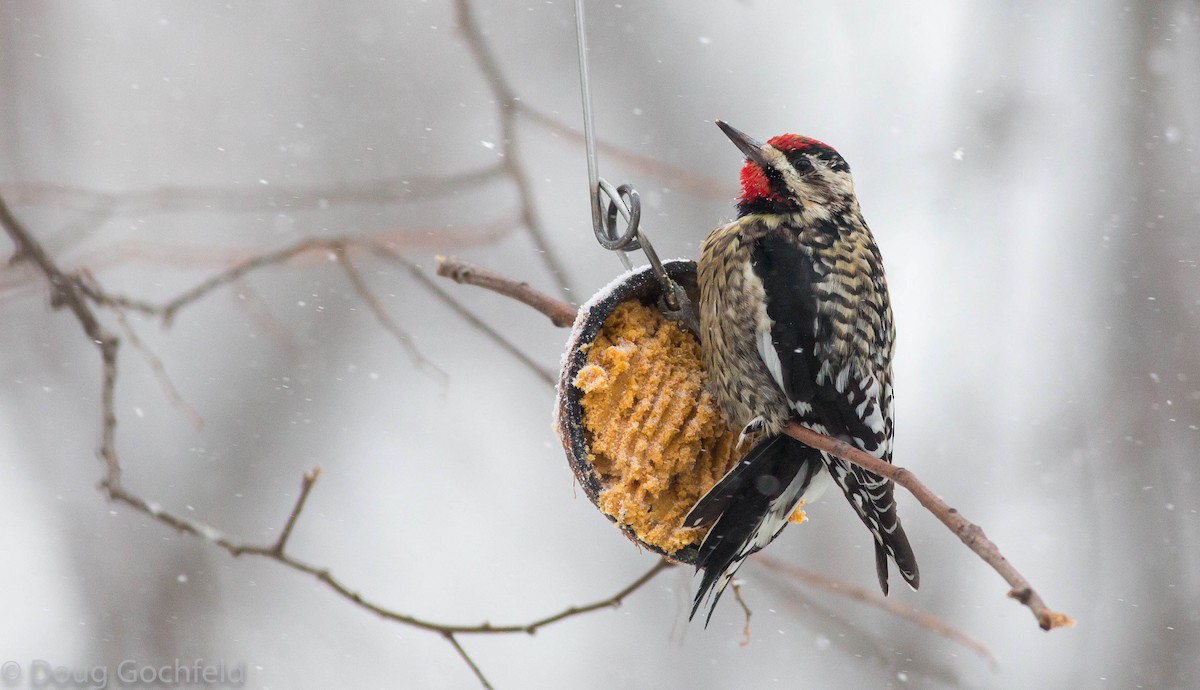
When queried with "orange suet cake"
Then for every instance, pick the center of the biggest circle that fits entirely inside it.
(655, 436)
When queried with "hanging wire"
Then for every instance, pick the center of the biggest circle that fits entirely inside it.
(622, 201)
(589, 142)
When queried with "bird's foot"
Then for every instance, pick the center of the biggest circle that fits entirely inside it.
(755, 426)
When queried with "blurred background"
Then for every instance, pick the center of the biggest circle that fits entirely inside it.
(1030, 172)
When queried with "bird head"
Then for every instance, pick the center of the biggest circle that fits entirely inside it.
(789, 174)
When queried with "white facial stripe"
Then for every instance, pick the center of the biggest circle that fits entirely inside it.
(837, 182)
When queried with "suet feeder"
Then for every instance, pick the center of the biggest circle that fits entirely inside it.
(642, 434)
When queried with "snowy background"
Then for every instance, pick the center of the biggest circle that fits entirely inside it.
(1031, 174)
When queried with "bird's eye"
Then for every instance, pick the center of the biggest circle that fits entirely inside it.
(802, 163)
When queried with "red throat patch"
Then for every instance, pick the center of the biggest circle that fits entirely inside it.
(755, 184)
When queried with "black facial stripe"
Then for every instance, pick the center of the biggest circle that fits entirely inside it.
(803, 164)
(799, 161)
(748, 207)
(775, 178)
(782, 203)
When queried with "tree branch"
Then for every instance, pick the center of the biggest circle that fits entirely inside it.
(611, 602)
(78, 295)
(160, 371)
(560, 313)
(232, 274)
(467, 658)
(736, 586)
(306, 486)
(685, 179)
(67, 290)
(507, 110)
(240, 199)
(457, 307)
(872, 597)
(386, 321)
(970, 534)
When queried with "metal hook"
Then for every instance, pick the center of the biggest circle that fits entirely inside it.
(627, 203)
(623, 201)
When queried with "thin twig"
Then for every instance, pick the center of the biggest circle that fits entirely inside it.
(252, 199)
(117, 302)
(389, 324)
(560, 313)
(737, 595)
(613, 601)
(337, 247)
(65, 290)
(275, 552)
(874, 598)
(970, 534)
(249, 299)
(684, 179)
(68, 290)
(435, 237)
(467, 658)
(507, 111)
(454, 305)
(235, 272)
(306, 486)
(160, 372)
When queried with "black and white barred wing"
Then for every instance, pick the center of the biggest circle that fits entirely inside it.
(827, 393)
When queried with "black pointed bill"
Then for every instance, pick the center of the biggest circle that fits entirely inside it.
(752, 148)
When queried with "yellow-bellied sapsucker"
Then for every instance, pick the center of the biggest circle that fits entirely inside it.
(795, 324)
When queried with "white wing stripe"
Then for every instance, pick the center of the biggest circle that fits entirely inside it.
(766, 350)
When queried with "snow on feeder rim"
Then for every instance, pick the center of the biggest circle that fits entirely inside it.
(642, 434)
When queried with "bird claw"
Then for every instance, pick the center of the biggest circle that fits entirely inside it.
(750, 429)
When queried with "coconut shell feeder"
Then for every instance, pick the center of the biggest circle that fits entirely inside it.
(642, 434)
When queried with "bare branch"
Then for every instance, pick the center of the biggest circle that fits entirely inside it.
(560, 313)
(306, 486)
(457, 307)
(109, 346)
(874, 598)
(970, 534)
(737, 595)
(611, 602)
(226, 277)
(677, 177)
(160, 372)
(467, 658)
(69, 290)
(389, 324)
(117, 302)
(337, 247)
(251, 199)
(507, 104)
(406, 239)
(260, 312)
(65, 290)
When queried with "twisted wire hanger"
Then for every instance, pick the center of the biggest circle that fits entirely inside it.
(610, 203)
